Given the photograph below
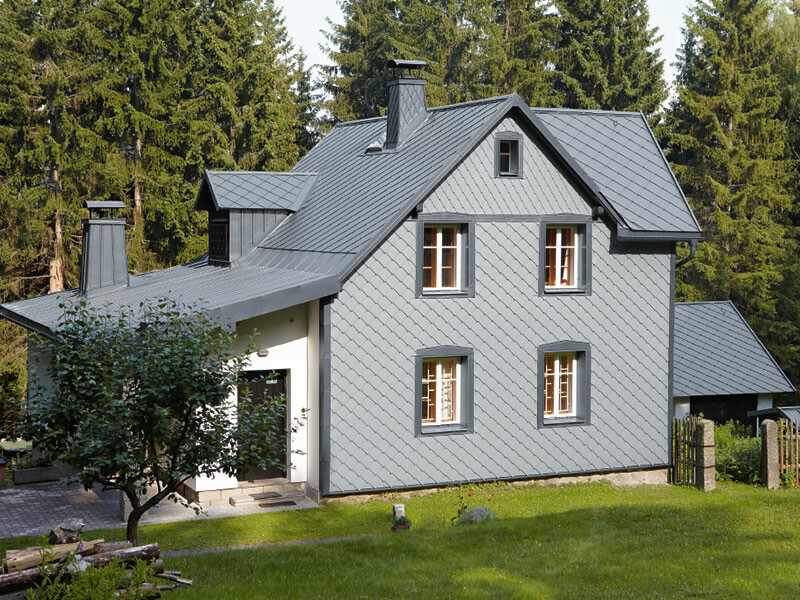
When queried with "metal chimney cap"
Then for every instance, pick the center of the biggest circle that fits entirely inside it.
(399, 63)
(103, 205)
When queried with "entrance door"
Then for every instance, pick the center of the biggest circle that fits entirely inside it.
(263, 385)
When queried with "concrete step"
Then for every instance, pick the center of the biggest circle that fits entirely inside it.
(219, 497)
(265, 498)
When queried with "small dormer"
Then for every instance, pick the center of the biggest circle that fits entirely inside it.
(245, 206)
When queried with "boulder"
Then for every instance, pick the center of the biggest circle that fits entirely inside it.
(481, 514)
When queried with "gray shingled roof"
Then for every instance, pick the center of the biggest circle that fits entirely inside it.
(347, 200)
(618, 151)
(232, 294)
(256, 189)
(717, 353)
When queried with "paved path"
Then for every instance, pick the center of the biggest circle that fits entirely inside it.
(36, 508)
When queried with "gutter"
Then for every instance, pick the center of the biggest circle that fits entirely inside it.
(686, 259)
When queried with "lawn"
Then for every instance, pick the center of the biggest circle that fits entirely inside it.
(576, 541)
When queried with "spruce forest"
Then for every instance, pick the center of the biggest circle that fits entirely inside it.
(132, 100)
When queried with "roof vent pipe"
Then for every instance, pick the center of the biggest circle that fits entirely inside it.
(104, 257)
(406, 100)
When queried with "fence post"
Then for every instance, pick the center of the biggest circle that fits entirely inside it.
(705, 465)
(769, 469)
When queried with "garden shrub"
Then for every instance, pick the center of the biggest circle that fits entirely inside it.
(738, 453)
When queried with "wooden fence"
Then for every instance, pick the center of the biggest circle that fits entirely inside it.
(684, 451)
(789, 451)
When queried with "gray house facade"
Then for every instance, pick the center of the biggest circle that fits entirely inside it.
(473, 292)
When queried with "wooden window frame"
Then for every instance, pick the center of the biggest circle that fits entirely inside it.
(559, 248)
(462, 421)
(583, 255)
(465, 262)
(559, 378)
(440, 382)
(580, 413)
(439, 249)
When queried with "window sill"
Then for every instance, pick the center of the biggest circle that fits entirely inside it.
(563, 421)
(566, 291)
(451, 429)
(446, 294)
(509, 176)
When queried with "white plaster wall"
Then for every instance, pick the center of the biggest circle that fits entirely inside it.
(682, 406)
(38, 368)
(764, 401)
(285, 337)
(312, 461)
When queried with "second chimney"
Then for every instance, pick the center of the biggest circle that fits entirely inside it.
(104, 257)
(406, 100)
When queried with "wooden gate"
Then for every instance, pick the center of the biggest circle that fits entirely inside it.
(684, 451)
(789, 451)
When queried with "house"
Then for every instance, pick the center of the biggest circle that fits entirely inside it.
(721, 369)
(474, 292)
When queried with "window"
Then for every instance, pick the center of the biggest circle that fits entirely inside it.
(441, 268)
(559, 384)
(508, 154)
(561, 257)
(440, 387)
(564, 385)
(565, 257)
(444, 390)
(445, 257)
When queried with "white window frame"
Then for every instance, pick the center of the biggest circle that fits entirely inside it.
(439, 248)
(573, 373)
(558, 248)
(440, 387)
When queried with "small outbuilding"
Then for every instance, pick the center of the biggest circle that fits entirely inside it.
(720, 367)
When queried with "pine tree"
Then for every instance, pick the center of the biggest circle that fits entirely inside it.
(730, 153)
(606, 57)
(359, 49)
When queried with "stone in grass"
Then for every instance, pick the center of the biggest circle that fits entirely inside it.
(481, 514)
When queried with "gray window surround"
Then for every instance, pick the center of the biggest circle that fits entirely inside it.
(583, 387)
(584, 225)
(467, 222)
(512, 136)
(466, 423)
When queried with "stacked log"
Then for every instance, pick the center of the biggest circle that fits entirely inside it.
(21, 569)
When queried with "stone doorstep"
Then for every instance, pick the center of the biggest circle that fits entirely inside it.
(222, 497)
(264, 498)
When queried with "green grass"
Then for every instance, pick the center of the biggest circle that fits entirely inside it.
(577, 541)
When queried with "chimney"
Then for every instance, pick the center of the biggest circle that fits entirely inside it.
(104, 258)
(406, 100)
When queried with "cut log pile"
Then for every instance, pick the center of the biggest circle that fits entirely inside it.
(21, 569)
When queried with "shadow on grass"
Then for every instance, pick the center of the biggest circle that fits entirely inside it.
(607, 552)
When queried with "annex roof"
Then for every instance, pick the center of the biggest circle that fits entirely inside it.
(717, 353)
(258, 190)
(230, 294)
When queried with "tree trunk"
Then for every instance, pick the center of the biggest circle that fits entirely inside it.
(137, 188)
(57, 261)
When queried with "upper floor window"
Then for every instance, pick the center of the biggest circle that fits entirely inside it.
(445, 257)
(441, 267)
(508, 154)
(565, 258)
(561, 257)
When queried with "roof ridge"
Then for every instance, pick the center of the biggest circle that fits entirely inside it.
(591, 111)
(302, 173)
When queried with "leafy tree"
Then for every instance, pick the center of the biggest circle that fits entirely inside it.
(730, 152)
(606, 56)
(139, 399)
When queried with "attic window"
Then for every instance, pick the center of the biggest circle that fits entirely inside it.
(218, 239)
(508, 155)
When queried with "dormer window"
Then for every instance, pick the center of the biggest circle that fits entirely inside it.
(508, 154)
